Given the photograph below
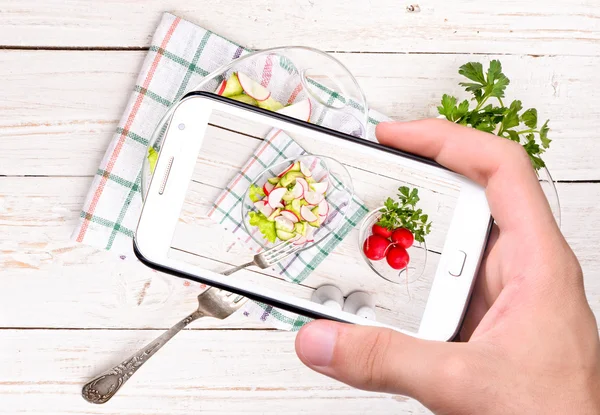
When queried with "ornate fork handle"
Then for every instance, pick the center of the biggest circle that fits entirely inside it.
(105, 386)
(236, 269)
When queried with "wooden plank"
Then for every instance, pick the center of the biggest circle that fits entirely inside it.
(233, 372)
(64, 105)
(559, 27)
(50, 282)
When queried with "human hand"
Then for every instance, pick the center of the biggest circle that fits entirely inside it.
(531, 340)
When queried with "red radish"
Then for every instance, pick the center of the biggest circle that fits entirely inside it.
(314, 198)
(252, 88)
(307, 215)
(288, 214)
(403, 237)
(397, 257)
(323, 208)
(320, 187)
(375, 247)
(298, 191)
(268, 188)
(275, 197)
(301, 240)
(381, 231)
(304, 184)
(301, 110)
(263, 208)
(305, 170)
(284, 223)
(322, 219)
(283, 173)
(221, 87)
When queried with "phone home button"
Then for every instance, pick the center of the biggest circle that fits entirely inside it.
(457, 263)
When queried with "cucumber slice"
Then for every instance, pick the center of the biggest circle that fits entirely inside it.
(273, 180)
(288, 196)
(245, 99)
(270, 104)
(233, 87)
(275, 213)
(285, 236)
(290, 177)
(315, 211)
(295, 206)
(310, 180)
(296, 167)
(300, 228)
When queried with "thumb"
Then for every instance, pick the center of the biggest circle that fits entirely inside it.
(384, 360)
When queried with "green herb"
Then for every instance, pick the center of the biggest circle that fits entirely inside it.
(404, 214)
(256, 193)
(509, 122)
(266, 227)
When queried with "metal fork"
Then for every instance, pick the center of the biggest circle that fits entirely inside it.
(211, 303)
(269, 257)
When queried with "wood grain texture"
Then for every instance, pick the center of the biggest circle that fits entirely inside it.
(65, 105)
(50, 282)
(209, 372)
(557, 27)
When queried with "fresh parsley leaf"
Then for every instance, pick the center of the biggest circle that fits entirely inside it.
(530, 118)
(265, 226)
(405, 214)
(256, 193)
(544, 135)
(508, 122)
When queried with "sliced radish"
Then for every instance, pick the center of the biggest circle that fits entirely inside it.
(283, 173)
(290, 215)
(323, 208)
(307, 215)
(300, 110)
(314, 198)
(322, 219)
(298, 190)
(268, 188)
(283, 223)
(221, 87)
(301, 240)
(304, 184)
(305, 170)
(275, 197)
(253, 88)
(264, 208)
(320, 187)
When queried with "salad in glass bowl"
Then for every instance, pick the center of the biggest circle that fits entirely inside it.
(300, 200)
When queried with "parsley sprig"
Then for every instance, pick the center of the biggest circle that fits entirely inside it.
(508, 122)
(404, 214)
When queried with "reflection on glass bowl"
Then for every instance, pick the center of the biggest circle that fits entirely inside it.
(417, 253)
(338, 196)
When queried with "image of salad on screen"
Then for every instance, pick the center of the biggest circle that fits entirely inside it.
(399, 225)
(290, 206)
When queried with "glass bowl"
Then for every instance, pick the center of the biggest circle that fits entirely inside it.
(339, 194)
(551, 193)
(417, 254)
(292, 74)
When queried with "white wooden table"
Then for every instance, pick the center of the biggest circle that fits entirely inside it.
(67, 311)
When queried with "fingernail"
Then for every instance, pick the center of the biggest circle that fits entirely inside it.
(316, 343)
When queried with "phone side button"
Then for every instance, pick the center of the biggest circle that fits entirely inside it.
(457, 263)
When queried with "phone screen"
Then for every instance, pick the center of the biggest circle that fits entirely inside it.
(349, 194)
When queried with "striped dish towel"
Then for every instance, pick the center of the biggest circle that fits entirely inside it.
(180, 55)
(227, 211)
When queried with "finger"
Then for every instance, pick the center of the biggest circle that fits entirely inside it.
(502, 166)
(383, 360)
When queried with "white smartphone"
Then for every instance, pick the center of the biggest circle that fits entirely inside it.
(208, 141)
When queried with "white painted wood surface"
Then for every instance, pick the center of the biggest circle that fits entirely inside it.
(68, 311)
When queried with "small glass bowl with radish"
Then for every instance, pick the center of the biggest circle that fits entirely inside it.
(394, 255)
(301, 200)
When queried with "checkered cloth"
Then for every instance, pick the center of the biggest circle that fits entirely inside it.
(277, 147)
(181, 54)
